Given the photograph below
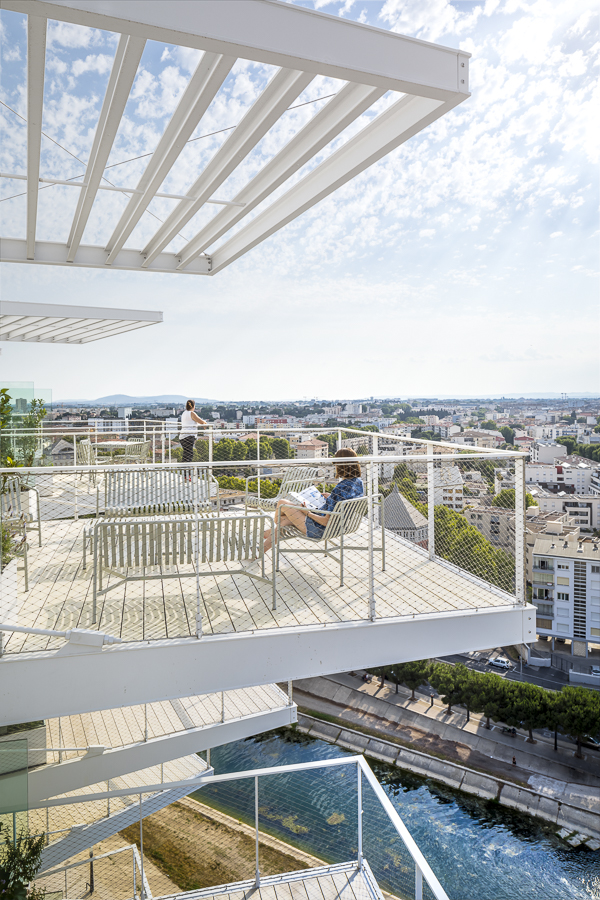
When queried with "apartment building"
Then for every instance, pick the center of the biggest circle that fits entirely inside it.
(572, 474)
(547, 452)
(472, 438)
(541, 524)
(566, 591)
(497, 525)
(310, 449)
(582, 509)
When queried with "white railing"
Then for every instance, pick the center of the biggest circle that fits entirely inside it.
(447, 491)
(377, 831)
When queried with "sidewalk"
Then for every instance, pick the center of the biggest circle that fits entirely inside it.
(429, 729)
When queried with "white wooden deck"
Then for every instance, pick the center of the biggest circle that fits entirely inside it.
(341, 882)
(127, 725)
(308, 592)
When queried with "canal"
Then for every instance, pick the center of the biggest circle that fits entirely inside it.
(478, 849)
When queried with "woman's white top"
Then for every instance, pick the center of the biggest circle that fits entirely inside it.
(188, 426)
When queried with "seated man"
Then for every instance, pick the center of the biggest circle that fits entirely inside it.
(311, 523)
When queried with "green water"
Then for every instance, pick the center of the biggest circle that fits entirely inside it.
(477, 849)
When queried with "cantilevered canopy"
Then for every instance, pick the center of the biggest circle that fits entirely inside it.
(52, 323)
(429, 80)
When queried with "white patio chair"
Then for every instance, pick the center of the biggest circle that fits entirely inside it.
(12, 508)
(125, 549)
(345, 519)
(137, 451)
(157, 491)
(295, 478)
(15, 519)
(86, 455)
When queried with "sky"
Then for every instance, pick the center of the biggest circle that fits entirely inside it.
(465, 262)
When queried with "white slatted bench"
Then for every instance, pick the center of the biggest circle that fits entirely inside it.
(127, 548)
(158, 491)
(345, 519)
(295, 478)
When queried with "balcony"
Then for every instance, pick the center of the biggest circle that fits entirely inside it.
(235, 622)
(274, 818)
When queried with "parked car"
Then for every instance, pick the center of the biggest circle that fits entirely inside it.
(561, 640)
(500, 662)
(543, 637)
(591, 743)
(595, 670)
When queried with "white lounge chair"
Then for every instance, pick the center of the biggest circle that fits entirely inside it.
(86, 455)
(15, 518)
(123, 548)
(345, 519)
(137, 451)
(295, 478)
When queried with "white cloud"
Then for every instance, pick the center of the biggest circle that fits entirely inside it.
(556, 234)
(100, 63)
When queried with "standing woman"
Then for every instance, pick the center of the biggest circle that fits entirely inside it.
(189, 430)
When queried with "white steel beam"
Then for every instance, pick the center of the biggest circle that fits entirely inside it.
(50, 684)
(344, 108)
(73, 774)
(282, 90)
(36, 64)
(125, 65)
(204, 84)
(88, 257)
(278, 34)
(402, 120)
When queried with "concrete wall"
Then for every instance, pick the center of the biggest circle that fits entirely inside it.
(507, 794)
(583, 678)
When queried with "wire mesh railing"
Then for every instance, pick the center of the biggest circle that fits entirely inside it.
(123, 550)
(328, 820)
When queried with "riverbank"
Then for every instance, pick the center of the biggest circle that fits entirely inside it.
(196, 846)
(578, 826)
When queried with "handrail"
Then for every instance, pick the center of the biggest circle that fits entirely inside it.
(71, 632)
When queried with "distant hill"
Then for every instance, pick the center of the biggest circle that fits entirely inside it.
(126, 400)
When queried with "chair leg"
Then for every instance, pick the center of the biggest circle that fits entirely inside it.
(26, 569)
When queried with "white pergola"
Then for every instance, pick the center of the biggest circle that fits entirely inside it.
(429, 79)
(54, 323)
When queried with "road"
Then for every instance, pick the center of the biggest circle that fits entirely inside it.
(550, 678)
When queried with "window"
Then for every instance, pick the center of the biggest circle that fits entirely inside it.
(561, 596)
(544, 609)
(595, 632)
(564, 629)
(562, 612)
(544, 623)
(563, 566)
(596, 570)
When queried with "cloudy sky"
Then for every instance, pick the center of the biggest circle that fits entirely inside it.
(465, 262)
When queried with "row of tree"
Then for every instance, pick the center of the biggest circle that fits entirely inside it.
(589, 451)
(573, 710)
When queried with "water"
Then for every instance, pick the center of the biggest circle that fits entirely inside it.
(477, 849)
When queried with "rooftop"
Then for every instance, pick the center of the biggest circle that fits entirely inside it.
(561, 547)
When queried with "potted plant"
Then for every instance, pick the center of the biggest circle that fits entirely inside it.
(20, 859)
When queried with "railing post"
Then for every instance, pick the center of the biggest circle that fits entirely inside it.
(143, 890)
(418, 883)
(372, 611)
(360, 815)
(258, 460)
(520, 529)
(145, 722)
(290, 692)
(430, 502)
(257, 878)
(376, 469)
(339, 439)
(222, 706)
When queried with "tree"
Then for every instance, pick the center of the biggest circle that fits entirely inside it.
(462, 544)
(508, 434)
(402, 471)
(448, 682)
(223, 450)
(568, 442)
(239, 451)
(489, 696)
(19, 861)
(281, 448)
(527, 705)
(412, 674)
(506, 499)
(489, 425)
(201, 451)
(578, 713)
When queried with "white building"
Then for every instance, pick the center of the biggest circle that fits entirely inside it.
(547, 452)
(573, 472)
(582, 509)
(566, 591)
(311, 449)
(112, 426)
